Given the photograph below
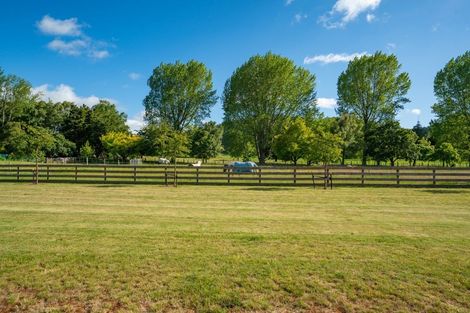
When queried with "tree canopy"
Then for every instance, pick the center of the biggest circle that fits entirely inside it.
(262, 94)
(452, 91)
(180, 94)
(373, 89)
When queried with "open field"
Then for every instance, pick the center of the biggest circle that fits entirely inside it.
(120, 248)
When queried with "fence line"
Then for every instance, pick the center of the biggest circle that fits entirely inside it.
(265, 175)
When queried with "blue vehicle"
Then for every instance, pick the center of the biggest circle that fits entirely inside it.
(241, 167)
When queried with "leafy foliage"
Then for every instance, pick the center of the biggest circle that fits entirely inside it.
(374, 90)
(120, 145)
(446, 153)
(262, 94)
(206, 141)
(292, 143)
(451, 88)
(391, 142)
(180, 94)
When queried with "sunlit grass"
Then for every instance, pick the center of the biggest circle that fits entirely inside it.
(68, 247)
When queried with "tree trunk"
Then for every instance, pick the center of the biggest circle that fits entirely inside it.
(343, 156)
(262, 157)
(392, 162)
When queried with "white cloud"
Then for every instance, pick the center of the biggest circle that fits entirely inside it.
(74, 47)
(333, 58)
(299, 17)
(98, 54)
(326, 103)
(345, 11)
(51, 26)
(64, 92)
(289, 2)
(391, 46)
(80, 45)
(134, 76)
(416, 111)
(137, 122)
(370, 18)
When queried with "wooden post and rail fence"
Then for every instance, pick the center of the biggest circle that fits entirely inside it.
(219, 175)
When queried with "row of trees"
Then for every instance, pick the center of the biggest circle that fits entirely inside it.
(270, 111)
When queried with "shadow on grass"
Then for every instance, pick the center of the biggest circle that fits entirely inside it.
(113, 186)
(267, 188)
(445, 191)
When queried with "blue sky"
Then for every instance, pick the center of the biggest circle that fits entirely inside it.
(85, 50)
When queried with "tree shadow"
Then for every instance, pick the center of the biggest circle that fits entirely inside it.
(268, 188)
(445, 191)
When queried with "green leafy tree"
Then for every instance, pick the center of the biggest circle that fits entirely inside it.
(451, 88)
(15, 98)
(180, 94)
(238, 144)
(61, 147)
(420, 130)
(323, 147)
(426, 149)
(373, 89)
(348, 128)
(446, 153)
(262, 94)
(163, 141)
(87, 151)
(104, 118)
(120, 145)
(389, 141)
(29, 142)
(153, 139)
(206, 141)
(75, 125)
(291, 143)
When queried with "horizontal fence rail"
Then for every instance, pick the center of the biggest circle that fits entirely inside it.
(324, 176)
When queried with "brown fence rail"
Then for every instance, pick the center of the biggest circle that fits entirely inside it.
(217, 175)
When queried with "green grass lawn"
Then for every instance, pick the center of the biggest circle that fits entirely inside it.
(108, 248)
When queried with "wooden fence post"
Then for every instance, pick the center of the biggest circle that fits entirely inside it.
(104, 168)
(259, 176)
(76, 173)
(398, 176)
(197, 175)
(434, 176)
(47, 177)
(135, 173)
(295, 175)
(228, 175)
(17, 173)
(362, 175)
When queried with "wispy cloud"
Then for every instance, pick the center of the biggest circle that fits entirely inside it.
(78, 46)
(73, 47)
(51, 26)
(333, 58)
(134, 76)
(415, 111)
(370, 18)
(289, 2)
(345, 11)
(391, 46)
(65, 92)
(326, 103)
(299, 17)
(137, 122)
